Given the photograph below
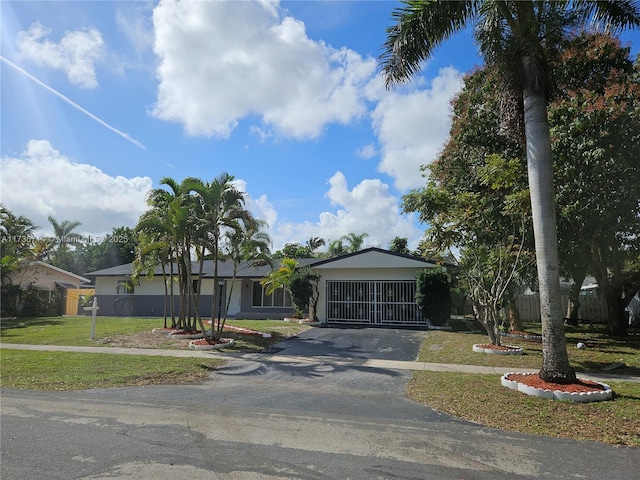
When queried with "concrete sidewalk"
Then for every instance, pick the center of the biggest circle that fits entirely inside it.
(341, 361)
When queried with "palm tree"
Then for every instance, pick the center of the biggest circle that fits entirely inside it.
(245, 248)
(517, 36)
(17, 236)
(354, 241)
(281, 277)
(315, 243)
(222, 208)
(171, 224)
(336, 248)
(64, 232)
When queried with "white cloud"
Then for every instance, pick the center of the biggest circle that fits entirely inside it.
(75, 55)
(413, 126)
(43, 182)
(367, 151)
(220, 62)
(368, 208)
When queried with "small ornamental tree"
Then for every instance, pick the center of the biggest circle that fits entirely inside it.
(304, 291)
(433, 296)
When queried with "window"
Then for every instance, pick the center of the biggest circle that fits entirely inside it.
(124, 287)
(279, 298)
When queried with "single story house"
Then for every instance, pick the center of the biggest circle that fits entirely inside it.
(369, 287)
(47, 279)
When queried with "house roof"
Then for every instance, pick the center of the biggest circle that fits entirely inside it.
(60, 270)
(225, 269)
(370, 257)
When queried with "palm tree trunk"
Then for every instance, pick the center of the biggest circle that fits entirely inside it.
(555, 360)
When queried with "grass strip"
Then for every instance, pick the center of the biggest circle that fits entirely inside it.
(23, 369)
(482, 399)
(456, 348)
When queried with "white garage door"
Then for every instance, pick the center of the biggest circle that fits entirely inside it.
(373, 303)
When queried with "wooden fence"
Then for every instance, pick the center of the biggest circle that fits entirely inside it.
(72, 306)
(592, 307)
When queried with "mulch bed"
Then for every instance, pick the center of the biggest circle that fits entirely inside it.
(580, 386)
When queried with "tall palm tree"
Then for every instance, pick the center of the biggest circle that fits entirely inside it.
(170, 223)
(517, 36)
(222, 208)
(64, 232)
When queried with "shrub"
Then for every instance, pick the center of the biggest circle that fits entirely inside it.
(433, 296)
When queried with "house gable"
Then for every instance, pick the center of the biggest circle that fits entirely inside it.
(43, 275)
(373, 258)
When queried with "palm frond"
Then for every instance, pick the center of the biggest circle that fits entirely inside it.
(421, 26)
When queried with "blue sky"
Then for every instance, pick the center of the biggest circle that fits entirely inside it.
(100, 100)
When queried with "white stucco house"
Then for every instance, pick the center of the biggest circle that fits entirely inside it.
(368, 287)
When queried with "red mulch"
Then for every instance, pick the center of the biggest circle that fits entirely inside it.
(533, 380)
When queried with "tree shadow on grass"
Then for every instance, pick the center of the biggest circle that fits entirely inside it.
(18, 323)
(599, 367)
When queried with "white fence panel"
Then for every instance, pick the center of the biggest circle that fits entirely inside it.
(592, 307)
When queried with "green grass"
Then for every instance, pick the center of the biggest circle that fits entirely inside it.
(24, 369)
(120, 331)
(71, 330)
(456, 347)
(482, 398)
(27, 369)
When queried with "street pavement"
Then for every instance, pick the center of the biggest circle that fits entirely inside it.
(330, 404)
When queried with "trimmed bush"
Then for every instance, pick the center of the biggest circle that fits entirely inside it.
(433, 296)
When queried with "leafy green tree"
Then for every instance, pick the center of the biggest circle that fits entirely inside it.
(303, 286)
(595, 124)
(518, 37)
(16, 236)
(295, 250)
(399, 245)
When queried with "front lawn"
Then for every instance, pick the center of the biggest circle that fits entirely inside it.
(37, 370)
(482, 398)
(132, 332)
(601, 351)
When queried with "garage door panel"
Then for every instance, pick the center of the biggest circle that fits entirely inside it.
(373, 302)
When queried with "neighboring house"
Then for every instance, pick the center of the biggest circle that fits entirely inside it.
(47, 279)
(368, 287)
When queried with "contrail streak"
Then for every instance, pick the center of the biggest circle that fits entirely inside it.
(73, 104)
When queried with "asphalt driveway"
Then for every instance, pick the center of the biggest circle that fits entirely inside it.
(358, 342)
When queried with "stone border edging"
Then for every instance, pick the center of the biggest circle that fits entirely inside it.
(227, 343)
(512, 350)
(579, 397)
